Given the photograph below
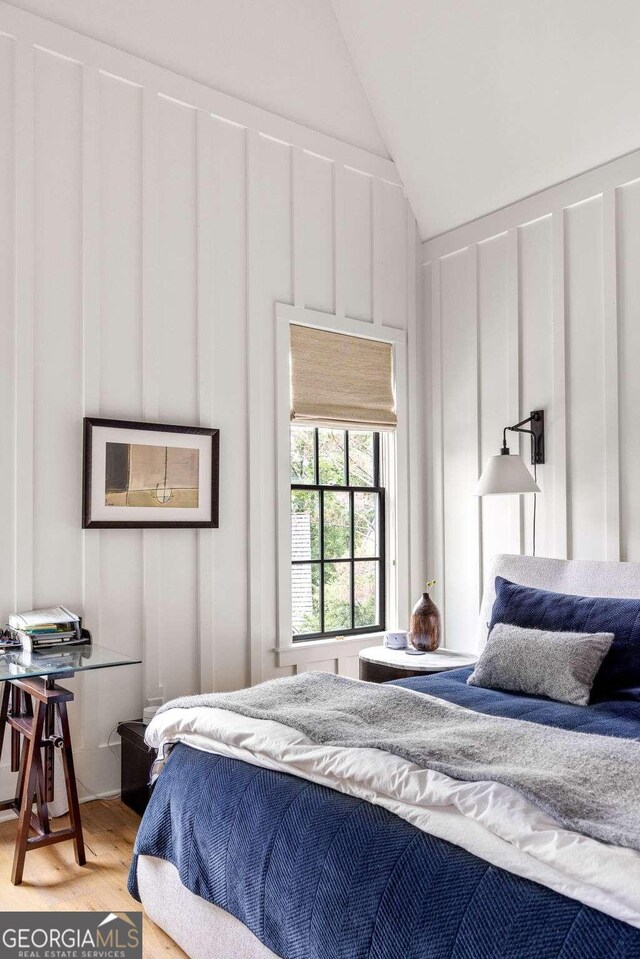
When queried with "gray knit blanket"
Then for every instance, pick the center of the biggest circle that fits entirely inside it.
(587, 783)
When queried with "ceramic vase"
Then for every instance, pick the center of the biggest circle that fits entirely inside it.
(426, 626)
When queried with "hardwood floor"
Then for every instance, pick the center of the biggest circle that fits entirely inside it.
(53, 882)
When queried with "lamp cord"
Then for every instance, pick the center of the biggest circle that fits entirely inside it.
(535, 503)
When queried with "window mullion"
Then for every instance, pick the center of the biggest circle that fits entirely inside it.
(346, 458)
(376, 459)
(353, 565)
(321, 519)
(382, 552)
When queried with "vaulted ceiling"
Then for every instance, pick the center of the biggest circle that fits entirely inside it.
(483, 103)
(287, 56)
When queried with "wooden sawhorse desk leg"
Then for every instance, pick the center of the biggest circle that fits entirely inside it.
(37, 702)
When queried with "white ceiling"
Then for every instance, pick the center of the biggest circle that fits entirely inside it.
(482, 103)
(287, 56)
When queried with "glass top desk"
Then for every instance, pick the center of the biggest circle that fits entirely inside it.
(58, 661)
(35, 709)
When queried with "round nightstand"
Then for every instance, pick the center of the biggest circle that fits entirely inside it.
(379, 664)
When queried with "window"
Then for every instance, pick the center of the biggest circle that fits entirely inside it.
(337, 533)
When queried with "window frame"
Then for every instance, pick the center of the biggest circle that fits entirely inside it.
(395, 473)
(380, 558)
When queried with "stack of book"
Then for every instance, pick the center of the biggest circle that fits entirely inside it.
(43, 628)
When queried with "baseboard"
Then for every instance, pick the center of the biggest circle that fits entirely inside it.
(97, 776)
(108, 794)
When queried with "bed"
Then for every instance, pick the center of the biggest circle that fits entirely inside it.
(244, 854)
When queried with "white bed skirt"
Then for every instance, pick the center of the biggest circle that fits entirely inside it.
(202, 930)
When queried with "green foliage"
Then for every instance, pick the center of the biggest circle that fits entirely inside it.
(302, 456)
(331, 467)
(337, 524)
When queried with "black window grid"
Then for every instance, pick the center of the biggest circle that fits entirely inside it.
(352, 559)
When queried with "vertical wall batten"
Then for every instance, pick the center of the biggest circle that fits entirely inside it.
(476, 413)
(559, 449)
(437, 472)
(90, 236)
(338, 278)
(415, 372)
(475, 533)
(151, 538)
(402, 520)
(628, 308)
(377, 263)
(283, 482)
(254, 388)
(24, 342)
(206, 413)
(297, 279)
(8, 326)
(611, 372)
(513, 373)
(91, 684)
(150, 269)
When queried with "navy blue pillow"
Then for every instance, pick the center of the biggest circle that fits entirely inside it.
(619, 675)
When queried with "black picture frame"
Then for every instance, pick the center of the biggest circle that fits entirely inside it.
(90, 422)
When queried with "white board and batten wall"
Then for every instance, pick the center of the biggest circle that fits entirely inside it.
(536, 306)
(148, 227)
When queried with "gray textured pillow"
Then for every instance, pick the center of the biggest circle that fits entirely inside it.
(561, 666)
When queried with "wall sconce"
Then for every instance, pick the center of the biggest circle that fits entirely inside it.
(505, 473)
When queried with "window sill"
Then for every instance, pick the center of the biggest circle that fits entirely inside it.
(318, 649)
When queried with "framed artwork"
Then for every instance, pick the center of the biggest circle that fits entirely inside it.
(149, 475)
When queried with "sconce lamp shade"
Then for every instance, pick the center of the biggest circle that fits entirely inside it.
(505, 474)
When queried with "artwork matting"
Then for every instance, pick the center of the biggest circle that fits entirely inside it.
(149, 475)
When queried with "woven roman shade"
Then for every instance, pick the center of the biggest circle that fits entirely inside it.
(341, 381)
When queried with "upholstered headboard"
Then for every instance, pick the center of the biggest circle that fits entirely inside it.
(578, 577)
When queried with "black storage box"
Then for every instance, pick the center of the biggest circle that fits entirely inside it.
(136, 759)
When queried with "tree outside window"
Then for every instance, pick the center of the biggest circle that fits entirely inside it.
(337, 529)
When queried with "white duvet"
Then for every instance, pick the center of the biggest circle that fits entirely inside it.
(488, 819)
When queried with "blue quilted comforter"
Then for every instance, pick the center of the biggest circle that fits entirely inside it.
(319, 875)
